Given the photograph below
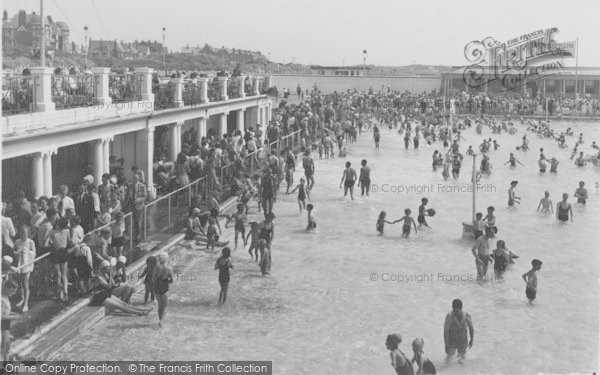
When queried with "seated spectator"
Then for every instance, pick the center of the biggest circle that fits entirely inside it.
(115, 298)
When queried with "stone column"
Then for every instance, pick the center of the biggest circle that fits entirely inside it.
(149, 170)
(146, 83)
(37, 176)
(42, 79)
(105, 155)
(203, 83)
(258, 115)
(175, 140)
(177, 92)
(256, 85)
(47, 157)
(222, 124)
(240, 121)
(269, 80)
(201, 129)
(98, 159)
(101, 76)
(241, 80)
(223, 86)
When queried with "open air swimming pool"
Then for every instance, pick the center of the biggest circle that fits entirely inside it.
(321, 312)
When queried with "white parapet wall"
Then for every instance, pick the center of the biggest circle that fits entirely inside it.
(35, 121)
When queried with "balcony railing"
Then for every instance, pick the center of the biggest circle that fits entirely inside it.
(73, 90)
(248, 87)
(214, 90)
(163, 95)
(233, 88)
(17, 94)
(125, 88)
(191, 93)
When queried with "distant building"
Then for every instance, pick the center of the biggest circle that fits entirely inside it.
(24, 31)
(339, 70)
(232, 54)
(120, 50)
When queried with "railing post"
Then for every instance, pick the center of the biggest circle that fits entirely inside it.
(203, 87)
(42, 80)
(131, 232)
(102, 78)
(223, 87)
(268, 82)
(177, 92)
(241, 81)
(256, 85)
(146, 83)
(169, 214)
(145, 222)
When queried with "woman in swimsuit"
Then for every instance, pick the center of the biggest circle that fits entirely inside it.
(59, 241)
(564, 209)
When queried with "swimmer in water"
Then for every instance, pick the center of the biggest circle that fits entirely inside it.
(530, 279)
(546, 204)
(423, 213)
(408, 220)
(564, 209)
(553, 165)
(512, 198)
(581, 193)
(512, 161)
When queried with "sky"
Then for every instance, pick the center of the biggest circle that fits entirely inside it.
(330, 32)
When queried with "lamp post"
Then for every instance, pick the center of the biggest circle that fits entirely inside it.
(85, 45)
(364, 61)
(43, 36)
(164, 51)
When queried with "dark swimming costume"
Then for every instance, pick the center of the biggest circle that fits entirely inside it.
(349, 183)
(530, 293)
(58, 256)
(421, 219)
(581, 200)
(406, 229)
(563, 213)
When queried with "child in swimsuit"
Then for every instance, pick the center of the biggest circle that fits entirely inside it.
(212, 235)
(381, 222)
(302, 194)
(424, 365)
(408, 220)
(478, 225)
(312, 224)
(530, 279)
(253, 234)
(240, 219)
(423, 213)
(490, 222)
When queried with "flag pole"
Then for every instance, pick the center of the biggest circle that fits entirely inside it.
(577, 68)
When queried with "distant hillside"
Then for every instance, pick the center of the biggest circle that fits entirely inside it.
(15, 59)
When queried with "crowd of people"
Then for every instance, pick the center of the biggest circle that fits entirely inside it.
(241, 165)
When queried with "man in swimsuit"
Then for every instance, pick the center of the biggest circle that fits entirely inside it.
(267, 191)
(348, 179)
(546, 204)
(309, 170)
(581, 193)
(481, 252)
(455, 331)
(364, 181)
(564, 209)
(290, 167)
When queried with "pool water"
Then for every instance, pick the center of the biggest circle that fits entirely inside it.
(321, 312)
